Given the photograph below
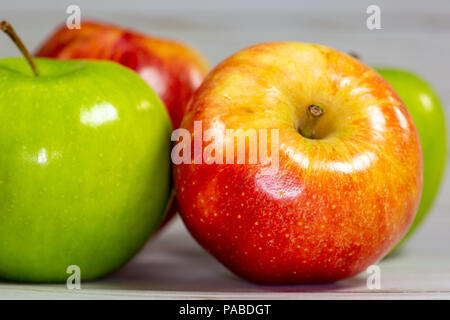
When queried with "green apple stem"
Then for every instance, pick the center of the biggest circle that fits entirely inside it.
(314, 112)
(9, 30)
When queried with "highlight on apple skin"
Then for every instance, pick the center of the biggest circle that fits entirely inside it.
(427, 111)
(173, 70)
(345, 192)
(85, 168)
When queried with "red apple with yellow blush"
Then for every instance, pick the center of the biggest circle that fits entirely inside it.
(172, 69)
(349, 174)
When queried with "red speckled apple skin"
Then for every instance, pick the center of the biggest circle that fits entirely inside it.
(338, 203)
(172, 69)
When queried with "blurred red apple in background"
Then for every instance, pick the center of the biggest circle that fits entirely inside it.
(172, 69)
(349, 173)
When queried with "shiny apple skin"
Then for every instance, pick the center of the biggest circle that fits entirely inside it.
(172, 69)
(85, 173)
(426, 110)
(338, 203)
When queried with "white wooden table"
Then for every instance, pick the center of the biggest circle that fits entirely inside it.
(172, 265)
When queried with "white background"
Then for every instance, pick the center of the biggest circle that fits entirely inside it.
(415, 35)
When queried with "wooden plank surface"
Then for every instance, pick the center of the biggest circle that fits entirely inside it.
(172, 265)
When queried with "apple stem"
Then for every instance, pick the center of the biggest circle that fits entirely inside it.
(314, 112)
(355, 55)
(9, 30)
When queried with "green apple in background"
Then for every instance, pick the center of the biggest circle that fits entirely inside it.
(426, 110)
(84, 167)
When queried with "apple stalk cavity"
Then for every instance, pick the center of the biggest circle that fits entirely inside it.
(314, 112)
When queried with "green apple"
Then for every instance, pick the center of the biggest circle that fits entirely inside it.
(426, 110)
(84, 168)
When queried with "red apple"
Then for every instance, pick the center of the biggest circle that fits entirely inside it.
(172, 69)
(349, 175)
